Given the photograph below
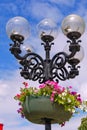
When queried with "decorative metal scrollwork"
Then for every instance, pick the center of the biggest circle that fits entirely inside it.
(34, 67)
(58, 70)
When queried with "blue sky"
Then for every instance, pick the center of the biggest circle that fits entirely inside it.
(10, 80)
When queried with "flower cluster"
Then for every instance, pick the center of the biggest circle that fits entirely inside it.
(58, 94)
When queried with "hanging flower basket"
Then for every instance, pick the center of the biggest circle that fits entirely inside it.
(49, 101)
(36, 109)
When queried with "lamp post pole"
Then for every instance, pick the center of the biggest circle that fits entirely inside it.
(47, 124)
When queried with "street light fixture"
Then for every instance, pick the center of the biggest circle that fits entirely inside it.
(63, 65)
(34, 67)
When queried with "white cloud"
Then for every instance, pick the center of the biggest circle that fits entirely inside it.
(40, 10)
(47, 11)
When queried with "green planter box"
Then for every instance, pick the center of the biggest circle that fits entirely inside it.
(38, 108)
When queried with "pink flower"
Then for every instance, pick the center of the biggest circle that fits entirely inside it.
(56, 87)
(25, 84)
(47, 82)
(70, 87)
(52, 99)
(54, 92)
(18, 95)
(59, 89)
(42, 86)
(51, 83)
(53, 95)
(63, 89)
(36, 90)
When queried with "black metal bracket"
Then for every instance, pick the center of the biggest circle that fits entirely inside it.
(34, 67)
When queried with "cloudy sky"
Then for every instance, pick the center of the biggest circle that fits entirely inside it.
(10, 80)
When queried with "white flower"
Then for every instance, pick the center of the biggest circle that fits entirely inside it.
(68, 100)
(60, 95)
(63, 98)
(81, 107)
(64, 94)
(69, 109)
(73, 110)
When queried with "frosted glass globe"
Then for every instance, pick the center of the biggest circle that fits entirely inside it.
(18, 26)
(47, 30)
(74, 25)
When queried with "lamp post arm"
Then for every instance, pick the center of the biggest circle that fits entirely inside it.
(74, 47)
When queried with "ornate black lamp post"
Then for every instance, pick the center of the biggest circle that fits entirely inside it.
(34, 67)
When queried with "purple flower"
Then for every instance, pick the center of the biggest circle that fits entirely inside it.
(79, 99)
(79, 95)
(73, 93)
(18, 111)
(19, 103)
(62, 124)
